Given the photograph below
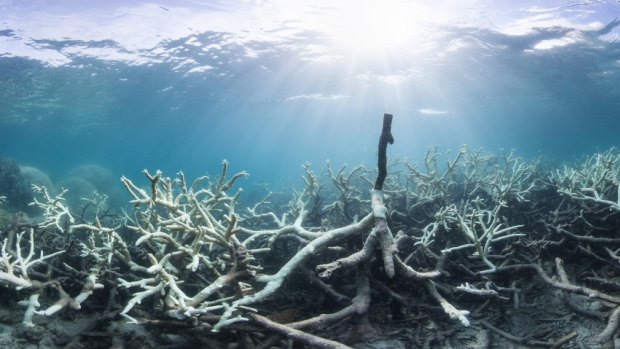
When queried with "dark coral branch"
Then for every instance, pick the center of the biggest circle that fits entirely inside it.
(386, 137)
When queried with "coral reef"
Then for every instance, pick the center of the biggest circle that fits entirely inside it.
(464, 250)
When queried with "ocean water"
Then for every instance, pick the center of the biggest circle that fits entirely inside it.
(94, 90)
(269, 85)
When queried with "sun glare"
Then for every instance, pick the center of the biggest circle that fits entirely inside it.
(374, 26)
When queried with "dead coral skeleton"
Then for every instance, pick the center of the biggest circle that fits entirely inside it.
(464, 223)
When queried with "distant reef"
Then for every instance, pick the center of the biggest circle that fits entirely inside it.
(14, 185)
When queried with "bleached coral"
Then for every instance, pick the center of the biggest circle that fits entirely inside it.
(594, 182)
(186, 253)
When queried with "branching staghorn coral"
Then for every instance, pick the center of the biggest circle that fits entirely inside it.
(97, 249)
(14, 272)
(309, 200)
(463, 177)
(435, 181)
(12, 264)
(482, 183)
(596, 183)
(482, 227)
(188, 230)
(55, 212)
(502, 177)
(349, 197)
(18, 269)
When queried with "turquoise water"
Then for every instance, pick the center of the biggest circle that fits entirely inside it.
(94, 90)
(269, 85)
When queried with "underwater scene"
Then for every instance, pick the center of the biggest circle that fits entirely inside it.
(286, 174)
